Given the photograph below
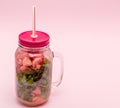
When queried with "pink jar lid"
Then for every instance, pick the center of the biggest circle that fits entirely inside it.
(41, 39)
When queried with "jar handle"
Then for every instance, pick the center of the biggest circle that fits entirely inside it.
(58, 56)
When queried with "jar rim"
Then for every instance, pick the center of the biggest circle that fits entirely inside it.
(34, 48)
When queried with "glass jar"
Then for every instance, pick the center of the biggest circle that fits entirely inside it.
(34, 62)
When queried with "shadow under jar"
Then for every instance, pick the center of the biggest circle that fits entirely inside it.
(33, 60)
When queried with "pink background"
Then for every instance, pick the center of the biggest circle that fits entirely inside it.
(86, 32)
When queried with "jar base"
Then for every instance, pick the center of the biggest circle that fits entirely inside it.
(31, 104)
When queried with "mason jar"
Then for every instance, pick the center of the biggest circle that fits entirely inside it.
(33, 65)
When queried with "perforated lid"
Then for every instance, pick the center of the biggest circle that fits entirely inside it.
(41, 39)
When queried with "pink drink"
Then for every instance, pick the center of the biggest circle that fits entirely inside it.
(33, 59)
